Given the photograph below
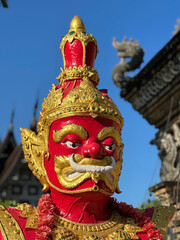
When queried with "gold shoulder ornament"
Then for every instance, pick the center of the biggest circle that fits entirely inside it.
(161, 218)
(9, 227)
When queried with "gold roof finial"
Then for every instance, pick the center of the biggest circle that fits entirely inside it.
(77, 24)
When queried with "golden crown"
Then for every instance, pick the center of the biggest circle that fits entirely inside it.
(84, 100)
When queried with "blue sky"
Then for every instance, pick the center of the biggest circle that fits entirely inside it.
(30, 35)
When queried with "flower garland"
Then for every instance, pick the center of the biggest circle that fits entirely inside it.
(144, 222)
(46, 218)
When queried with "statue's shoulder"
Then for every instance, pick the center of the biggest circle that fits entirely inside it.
(162, 216)
(13, 222)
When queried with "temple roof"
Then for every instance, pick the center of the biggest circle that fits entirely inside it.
(10, 152)
(154, 92)
(10, 164)
(153, 65)
(7, 146)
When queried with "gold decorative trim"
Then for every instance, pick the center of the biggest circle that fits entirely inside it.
(161, 217)
(93, 189)
(73, 73)
(29, 212)
(114, 220)
(9, 227)
(117, 227)
(131, 227)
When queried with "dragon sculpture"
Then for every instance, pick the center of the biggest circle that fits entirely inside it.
(126, 50)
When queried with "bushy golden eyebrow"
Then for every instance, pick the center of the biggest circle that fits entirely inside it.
(110, 132)
(67, 129)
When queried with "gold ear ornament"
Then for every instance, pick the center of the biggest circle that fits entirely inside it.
(33, 147)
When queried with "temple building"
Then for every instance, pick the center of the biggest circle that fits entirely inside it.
(16, 180)
(155, 93)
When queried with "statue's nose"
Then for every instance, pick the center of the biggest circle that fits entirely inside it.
(93, 150)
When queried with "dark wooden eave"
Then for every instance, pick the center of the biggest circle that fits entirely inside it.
(10, 164)
(153, 65)
(153, 89)
(6, 147)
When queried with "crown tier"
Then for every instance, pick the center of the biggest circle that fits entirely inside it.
(78, 47)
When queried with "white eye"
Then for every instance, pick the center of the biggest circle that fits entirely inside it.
(110, 147)
(72, 144)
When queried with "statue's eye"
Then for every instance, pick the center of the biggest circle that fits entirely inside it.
(72, 144)
(111, 147)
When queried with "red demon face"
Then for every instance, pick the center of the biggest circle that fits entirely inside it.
(85, 155)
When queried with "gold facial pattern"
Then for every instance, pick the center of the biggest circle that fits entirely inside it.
(70, 178)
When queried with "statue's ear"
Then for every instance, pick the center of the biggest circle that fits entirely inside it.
(34, 147)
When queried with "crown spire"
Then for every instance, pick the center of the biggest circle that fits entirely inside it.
(79, 48)
(77, 24)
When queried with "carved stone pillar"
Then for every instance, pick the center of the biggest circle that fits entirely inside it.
(168, 144)
(168, 191)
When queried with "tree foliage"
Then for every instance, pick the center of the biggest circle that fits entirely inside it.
(4, 3)
(150, 203)
(8, 203)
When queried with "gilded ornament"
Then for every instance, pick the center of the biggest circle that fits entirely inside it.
(161, 217)
(62, 233)
(36, 144)
(82, 100)
(29, 212)
(73, 73)
(114, 228)
(131, 227)
(9, 227)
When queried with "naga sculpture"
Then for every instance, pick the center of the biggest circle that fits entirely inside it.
(125, 50)
(169, 143)
(77, 156)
